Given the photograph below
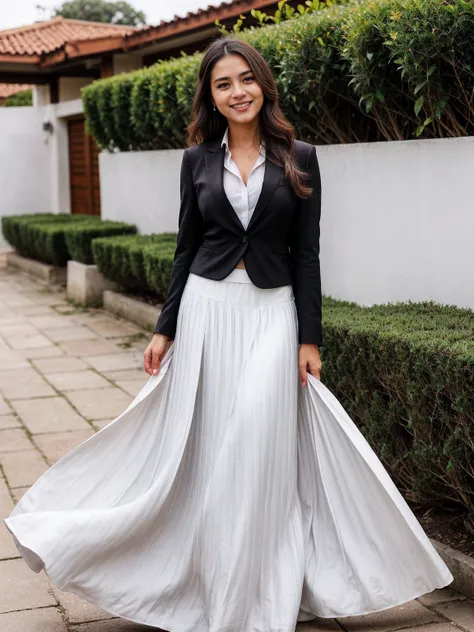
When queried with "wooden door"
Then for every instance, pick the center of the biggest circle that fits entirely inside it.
(83, 169)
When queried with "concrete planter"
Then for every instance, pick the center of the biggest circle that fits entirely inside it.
(460, 565)
(132, 309)
(43, 272)
(85, 284)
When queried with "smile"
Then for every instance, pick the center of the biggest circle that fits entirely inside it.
(241, 106)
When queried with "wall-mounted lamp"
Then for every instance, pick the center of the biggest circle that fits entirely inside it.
(48, 127)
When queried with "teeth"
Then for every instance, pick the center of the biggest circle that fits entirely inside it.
(241, 106)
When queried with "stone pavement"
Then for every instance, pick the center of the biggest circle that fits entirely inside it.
(64, 373)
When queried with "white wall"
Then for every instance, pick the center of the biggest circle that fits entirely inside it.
(141, 188)
(34, 165)
(25, 165)
(397, 220)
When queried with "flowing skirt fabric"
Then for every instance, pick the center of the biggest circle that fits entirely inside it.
(227, 497)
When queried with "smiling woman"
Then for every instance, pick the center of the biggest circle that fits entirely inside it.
(234, 494)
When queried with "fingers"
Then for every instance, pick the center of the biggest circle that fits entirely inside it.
(155, 363)
(147, 360)
(302, 373)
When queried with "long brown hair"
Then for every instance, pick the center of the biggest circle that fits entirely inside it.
(275, 129)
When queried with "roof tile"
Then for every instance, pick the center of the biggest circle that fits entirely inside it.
(45, 37)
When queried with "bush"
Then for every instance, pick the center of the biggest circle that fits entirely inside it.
(19, 99)
(404, 372)
(140, 262)
(55, 238)
(78, 238)
(363, 71)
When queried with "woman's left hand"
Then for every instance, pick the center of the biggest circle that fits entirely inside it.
(309, 360)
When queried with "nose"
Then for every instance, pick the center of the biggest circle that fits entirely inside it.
(238, 91)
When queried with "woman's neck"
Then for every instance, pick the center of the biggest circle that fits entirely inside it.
(244, 136)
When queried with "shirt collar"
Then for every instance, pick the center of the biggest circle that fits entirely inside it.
(225, 141)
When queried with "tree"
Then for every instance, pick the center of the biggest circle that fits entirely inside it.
(101, 11)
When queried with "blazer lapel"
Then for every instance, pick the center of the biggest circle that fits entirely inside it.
(214, 158)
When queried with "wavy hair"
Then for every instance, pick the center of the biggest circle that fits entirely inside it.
(274, 128)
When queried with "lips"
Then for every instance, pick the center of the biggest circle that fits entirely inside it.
(240, 107)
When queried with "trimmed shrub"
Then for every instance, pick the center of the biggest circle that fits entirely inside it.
(55, 238)
(404, 372)
(78, 238)
(130, 261)
(362, 71)
(20, 233)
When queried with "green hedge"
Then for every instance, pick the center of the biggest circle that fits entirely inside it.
(405, 374)
(55, 238)
(365, 71)
(142, 262)
(19, 99)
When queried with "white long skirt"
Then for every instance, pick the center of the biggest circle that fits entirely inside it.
(228, 497)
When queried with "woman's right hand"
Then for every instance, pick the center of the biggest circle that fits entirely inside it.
(154, 353)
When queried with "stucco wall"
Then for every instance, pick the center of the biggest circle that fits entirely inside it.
(25, 160)
(397, 218)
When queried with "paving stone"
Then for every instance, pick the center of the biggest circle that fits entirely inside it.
(60, 365)
(82, 348)
(78, 610)
(21, 588)
(127, 374)
(4, 407)
(77, 380)
(22, 468)
(37, 620)
(56, 444)
(410, 614)
(100, 403)
(439, 596)
(78, 332)
(12, 360)
(9, 421)
(26, 383)
(38, 310)
(116, 361)
(28, 342)
(41, 352)
(49, 414)
(108, 327)
(461, 612)
(14, 440)
(19, 492)
(446, 626)
(112, 625)
(17, 301)
(52, 321)
(15, 329)
(7, 545)
(133, 387)
(101, 423)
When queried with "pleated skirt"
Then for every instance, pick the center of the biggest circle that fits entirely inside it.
(227, 497)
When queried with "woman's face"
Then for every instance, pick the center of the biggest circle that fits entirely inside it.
(233, 84)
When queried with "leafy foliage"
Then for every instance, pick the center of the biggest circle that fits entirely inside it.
(24, 98)
(356, 72)
(101, 11)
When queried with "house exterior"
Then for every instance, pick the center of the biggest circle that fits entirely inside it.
(56, 58)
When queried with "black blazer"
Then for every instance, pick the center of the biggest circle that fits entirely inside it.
(279, 247)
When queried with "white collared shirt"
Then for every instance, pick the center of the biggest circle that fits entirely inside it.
(243, 198)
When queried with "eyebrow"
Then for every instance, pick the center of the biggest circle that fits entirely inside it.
(242, 73)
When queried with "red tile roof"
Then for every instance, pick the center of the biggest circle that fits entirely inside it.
(46, 37)
(7, 89)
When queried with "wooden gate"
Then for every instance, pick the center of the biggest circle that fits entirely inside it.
(83, 169)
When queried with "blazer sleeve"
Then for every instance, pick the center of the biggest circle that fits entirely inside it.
(304, 253)
(190, 230)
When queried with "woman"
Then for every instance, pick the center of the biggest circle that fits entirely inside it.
(229, 497)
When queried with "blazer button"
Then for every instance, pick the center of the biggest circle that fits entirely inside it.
(244, 239)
